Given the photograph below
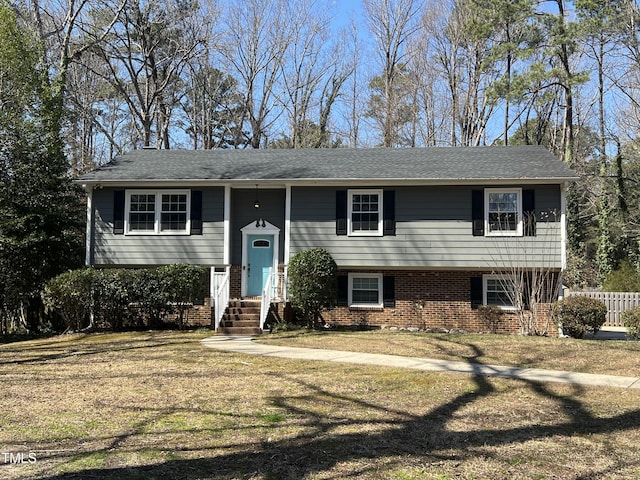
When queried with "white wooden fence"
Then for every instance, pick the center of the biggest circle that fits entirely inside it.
(616, 302)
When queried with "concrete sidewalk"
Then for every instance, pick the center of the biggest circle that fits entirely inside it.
(247, 346)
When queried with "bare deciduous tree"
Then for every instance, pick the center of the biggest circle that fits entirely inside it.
(257, 38)
(393, 23)
(144, 58)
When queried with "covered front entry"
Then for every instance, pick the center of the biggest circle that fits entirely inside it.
(260, 242)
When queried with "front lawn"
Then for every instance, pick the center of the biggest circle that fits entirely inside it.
(160, 405)
(586, 356)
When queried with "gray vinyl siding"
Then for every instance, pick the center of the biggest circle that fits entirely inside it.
(433, 230)
(147, 250)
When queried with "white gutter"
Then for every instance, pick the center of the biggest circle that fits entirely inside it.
(282, 183)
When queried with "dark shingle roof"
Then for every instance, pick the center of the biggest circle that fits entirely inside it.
(446, 164)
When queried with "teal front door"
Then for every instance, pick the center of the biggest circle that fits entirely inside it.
(260, 259)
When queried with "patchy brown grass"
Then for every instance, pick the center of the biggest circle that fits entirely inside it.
(586, 356)
(159, 405)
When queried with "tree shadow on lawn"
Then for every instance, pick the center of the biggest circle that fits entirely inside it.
(325, 444)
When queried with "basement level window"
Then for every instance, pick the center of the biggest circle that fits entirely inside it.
(365, 290)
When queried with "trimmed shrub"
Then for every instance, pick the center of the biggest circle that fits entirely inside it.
(113, 290)
(631, 320)
(312, 283)
(125, 298)
(184, 285)
(70, 295)
(150, 295)
(579, 315)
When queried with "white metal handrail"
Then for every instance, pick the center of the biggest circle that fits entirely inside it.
(267, 297)
(220, 287)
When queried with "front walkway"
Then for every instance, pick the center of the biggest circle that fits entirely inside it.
(247, 346)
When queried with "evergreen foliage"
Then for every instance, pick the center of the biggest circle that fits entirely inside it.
(312, 283)
(631, 320)
(118, 299)
(624, 279)
(578, 315)
(41, 213)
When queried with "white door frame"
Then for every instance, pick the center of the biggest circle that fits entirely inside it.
(257, 228)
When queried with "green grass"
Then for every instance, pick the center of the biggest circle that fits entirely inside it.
(158, 405)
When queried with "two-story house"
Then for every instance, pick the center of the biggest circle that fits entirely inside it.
(419, 235)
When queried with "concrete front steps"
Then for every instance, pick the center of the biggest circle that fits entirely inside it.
(242, 317)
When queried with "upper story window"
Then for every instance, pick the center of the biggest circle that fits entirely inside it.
(365, 212)
(157, 212)
(503, 211)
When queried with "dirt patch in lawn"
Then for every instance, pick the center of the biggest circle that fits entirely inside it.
(159, 405)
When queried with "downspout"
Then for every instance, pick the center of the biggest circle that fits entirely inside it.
(88, 258)
(563, 244)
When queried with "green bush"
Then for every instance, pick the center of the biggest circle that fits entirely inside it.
(184, 285)
(312, 283)
(631, 320)
(624, 279)
(578, 315)
(150, 296)
(70, 295)
(125, 298)
(114, 293)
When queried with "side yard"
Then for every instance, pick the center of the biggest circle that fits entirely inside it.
(159, 405)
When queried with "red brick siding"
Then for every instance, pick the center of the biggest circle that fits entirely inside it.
(432, 300)
(196, 316)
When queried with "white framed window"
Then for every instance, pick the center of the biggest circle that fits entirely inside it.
(365, 290)
(261, 243)
(149, 212)
(498, 290)
(503, 211)
(364, 216)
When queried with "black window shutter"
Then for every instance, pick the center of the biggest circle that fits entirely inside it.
(529, 212)
(476, 292)
(526, 295)
(196, 212)
(477, 212)
(118, 212)
(341, 212)
(389, 291)
(343, 290)
(389, 212)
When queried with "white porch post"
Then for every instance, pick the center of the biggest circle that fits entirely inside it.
(226, 258)
(287, 225)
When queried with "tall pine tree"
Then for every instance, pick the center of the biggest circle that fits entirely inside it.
(40, 209)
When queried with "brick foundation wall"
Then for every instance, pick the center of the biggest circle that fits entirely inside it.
(196, 316)
(430, 301)
(235, 281)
